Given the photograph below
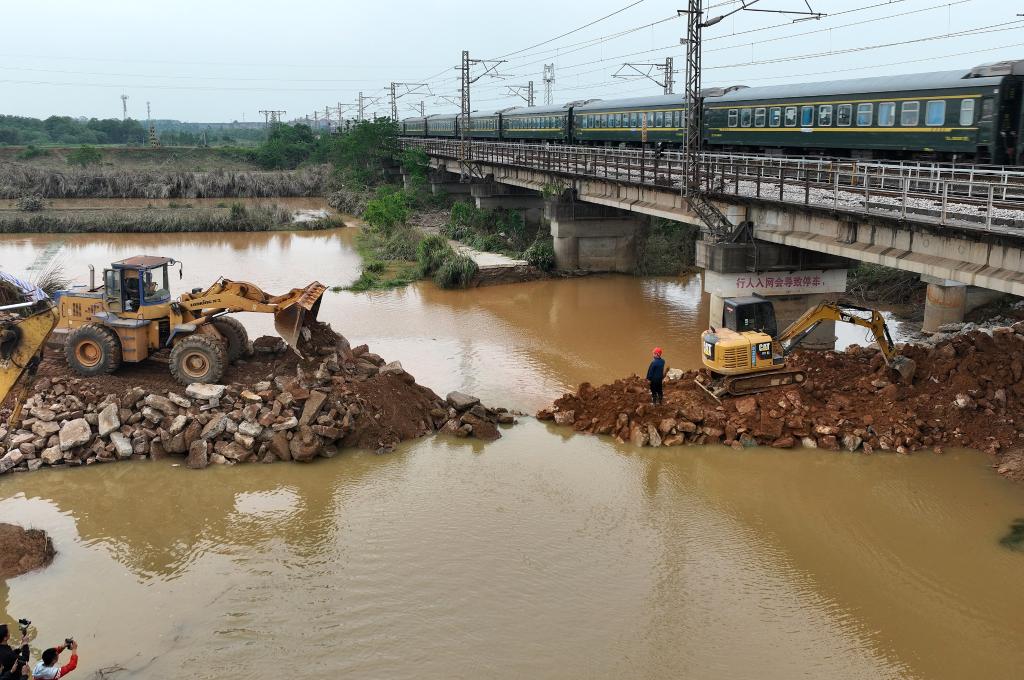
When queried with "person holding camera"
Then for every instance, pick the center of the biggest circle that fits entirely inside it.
(47, 668)
(13, 662)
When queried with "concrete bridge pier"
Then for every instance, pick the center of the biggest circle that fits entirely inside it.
(792, 278)
(945, 302)
(444, 182)
(491, 195)
(594, 237)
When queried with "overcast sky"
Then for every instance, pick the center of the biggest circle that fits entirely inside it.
(214, 60)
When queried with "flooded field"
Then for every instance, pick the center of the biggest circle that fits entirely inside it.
(542, 555)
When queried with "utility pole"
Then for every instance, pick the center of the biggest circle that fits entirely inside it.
(719, 224)
(409, 88)
(669, 75)
(423, 109)
(524, 92)
(549, 81)
(359, 117)
(124, 107)
(465, 119)
(153, 141)
(394, 103)
(631, 70)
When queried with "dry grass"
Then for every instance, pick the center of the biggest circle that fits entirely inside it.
(18, 179)
(150, 220)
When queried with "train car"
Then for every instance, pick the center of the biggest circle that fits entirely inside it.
(633, 121)
(945, 115)
(413, 127)
(537, 123)
(442, 125)
(485, 125)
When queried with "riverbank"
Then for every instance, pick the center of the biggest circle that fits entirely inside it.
(276, 407)
(967, 391)
(183, 217)
(21, 179)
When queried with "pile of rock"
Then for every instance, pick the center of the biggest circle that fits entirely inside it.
(336, 397)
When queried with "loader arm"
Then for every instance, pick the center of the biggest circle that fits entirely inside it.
(790, 338)
(290, 310)
(24, 330)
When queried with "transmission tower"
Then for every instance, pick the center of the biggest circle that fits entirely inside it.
(549, 82)
(124, 107)
(153, 140)
(410, 88)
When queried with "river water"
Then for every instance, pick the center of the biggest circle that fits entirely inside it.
(542, 555)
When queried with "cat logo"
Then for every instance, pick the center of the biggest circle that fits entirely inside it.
(709, 349)
(764, 347)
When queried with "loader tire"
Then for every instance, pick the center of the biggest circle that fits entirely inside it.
(198, 359)
(235, 335)
(93, 350)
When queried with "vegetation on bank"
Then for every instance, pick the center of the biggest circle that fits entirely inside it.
(877, 283)
(65, 130)
(668, 248)
(235, 217)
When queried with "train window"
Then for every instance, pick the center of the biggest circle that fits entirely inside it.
(634, 120)
(775, 116)
(987, 108)
(759, 117)
(745, 116)
(825, 115)
(844, 114)
(935, 112)
(967, 112)
(659, 119)
(806, 116)
(910, 113)
(790, 116)
(865, 112)
(887, 114)
(734, 117)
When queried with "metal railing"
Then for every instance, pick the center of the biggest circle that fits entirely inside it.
(945, 194)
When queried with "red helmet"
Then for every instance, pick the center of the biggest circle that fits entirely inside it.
(657, 351)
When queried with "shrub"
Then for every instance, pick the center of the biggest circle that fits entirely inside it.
(85, 156)
(432, 252)
(456, 272)
(374, 266)
(30, 203)
(32, 151)
(387, 209)
(541, 255)
(238, 212)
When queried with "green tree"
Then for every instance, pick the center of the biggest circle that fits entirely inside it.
(85, 156)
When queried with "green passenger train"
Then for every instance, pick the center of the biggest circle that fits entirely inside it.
(974, 115)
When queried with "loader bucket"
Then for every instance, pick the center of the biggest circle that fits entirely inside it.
(301, 306)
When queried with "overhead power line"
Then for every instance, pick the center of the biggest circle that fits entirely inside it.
(575, 30)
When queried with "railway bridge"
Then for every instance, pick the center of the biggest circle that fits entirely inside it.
(797, 222)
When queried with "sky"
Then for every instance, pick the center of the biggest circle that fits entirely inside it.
(219, 61)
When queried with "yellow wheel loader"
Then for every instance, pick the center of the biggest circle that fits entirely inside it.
(132, 316)
(746, 353)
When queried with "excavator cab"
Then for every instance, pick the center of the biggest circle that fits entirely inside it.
(749, 314)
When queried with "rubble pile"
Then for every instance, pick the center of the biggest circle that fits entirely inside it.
(280, 408)
(968, 391)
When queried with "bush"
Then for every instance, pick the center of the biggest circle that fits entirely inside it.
(30, 203)
(456, 272)
(432, 253)
(238, 212)
(32, 151)
(85, 156)
(374, 266)
(668, 249)
(387, 209)
(541, 255)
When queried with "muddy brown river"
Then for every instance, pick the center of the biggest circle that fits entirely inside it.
(542, 555)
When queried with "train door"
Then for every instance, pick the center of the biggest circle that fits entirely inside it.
(1008, 123)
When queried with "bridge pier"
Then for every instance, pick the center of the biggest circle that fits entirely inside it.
(494, 196)
(444, 182)
(945, 302)
(794, 279)
(593, 237)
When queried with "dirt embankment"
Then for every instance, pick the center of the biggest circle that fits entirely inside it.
(23, 550)
(968, 391)
(277, 406)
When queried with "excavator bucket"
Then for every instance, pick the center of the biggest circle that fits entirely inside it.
(904, 368)
(296, 309)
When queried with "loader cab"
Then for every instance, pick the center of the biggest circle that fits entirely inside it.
(137, 282)
(749, 314)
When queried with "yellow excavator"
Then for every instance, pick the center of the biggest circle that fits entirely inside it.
(131, 316)
(24, 329)
(746, 354)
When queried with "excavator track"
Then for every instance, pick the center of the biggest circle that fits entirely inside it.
(739, 385)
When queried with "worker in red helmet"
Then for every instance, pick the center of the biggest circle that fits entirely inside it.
(656, 377)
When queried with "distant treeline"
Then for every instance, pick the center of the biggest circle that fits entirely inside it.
(64, 130)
